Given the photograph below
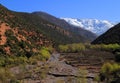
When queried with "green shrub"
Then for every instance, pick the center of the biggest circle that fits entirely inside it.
(9, 61)
(50, 49)
(5, 75)
(110, 72)
(63, 48)
(82, 76)
(13, 61)
(2, 61)
(23, 59)
(33, 59)
(45, 54)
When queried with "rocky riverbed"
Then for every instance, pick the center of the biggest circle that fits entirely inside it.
(54, 70)
(60, 72)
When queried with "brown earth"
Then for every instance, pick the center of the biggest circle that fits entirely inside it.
(3, 29)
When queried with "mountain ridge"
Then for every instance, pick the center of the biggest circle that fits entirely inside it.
(88, 35)
(94, 25)
(112, 36)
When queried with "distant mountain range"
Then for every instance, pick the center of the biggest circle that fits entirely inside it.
(96, 26)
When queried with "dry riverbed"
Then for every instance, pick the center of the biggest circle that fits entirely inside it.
(61, 68)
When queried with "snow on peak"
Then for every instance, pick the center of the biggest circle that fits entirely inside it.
(96, 26)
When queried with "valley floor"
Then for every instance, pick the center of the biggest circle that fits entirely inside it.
(64, 68)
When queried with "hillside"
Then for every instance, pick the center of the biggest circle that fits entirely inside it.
(78, 31)
(94, 25)
(112, 36)
(25, 33)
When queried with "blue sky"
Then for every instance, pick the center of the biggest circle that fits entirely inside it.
(98, 9)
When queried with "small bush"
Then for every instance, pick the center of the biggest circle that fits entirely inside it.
(63, 48)
(33, 59)
(5, 75)
(2, 61)
(45, 54)
(110, 72)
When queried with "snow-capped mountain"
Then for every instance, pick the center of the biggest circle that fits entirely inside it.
(96, 26)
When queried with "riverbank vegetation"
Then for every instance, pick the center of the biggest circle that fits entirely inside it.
(81, 47)
(42, 55)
